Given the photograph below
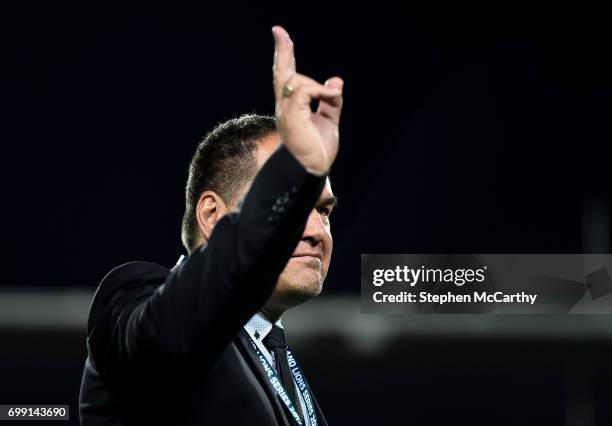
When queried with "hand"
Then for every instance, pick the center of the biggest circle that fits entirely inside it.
(311, 137)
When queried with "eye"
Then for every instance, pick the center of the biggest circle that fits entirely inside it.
(325, 211)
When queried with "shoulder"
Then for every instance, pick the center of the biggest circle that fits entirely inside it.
(133, 275)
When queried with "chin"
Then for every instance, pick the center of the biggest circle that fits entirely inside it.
(296, 289)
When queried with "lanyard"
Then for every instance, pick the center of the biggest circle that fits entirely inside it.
(277, 385)
(303, 387)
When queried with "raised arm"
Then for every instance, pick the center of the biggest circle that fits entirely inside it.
(198, 308)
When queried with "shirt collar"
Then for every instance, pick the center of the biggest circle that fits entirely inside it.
(178, 263)
(259, 326)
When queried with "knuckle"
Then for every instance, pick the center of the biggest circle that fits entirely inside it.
(300, 91)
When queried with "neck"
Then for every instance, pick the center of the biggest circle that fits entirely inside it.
(273, 314)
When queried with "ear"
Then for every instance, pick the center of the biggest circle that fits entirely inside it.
(209, 210)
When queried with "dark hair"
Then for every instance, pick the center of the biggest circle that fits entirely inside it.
(223, 162)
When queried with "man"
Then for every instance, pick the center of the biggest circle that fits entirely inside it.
(203, 343)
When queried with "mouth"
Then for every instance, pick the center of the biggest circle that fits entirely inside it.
(311, 260)
(308, 255)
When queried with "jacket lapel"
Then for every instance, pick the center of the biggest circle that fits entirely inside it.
(245, 347)
(281, 414)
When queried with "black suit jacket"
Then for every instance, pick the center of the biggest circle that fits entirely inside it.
(168, 347)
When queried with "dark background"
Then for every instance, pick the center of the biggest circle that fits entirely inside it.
(464, 130)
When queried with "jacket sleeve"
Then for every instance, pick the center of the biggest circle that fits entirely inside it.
(200, 306)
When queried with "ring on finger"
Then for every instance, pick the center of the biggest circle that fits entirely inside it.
(288, 91)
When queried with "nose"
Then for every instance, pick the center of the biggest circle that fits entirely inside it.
(314, 232)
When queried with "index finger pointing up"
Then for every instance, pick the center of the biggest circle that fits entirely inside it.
(284, 59)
